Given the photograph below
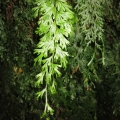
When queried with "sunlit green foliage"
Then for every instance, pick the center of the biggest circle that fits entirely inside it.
(54, 26)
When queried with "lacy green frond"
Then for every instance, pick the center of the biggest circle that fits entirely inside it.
(54, 26)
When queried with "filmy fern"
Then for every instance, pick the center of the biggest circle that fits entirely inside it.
(89, 38)
(54, 26)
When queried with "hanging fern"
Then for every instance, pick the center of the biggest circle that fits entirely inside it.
(54, 26)
(88, 41)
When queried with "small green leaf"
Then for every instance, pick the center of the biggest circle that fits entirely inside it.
(50, 109)
(40, 94)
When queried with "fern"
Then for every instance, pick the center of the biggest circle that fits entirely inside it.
(54, 26)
